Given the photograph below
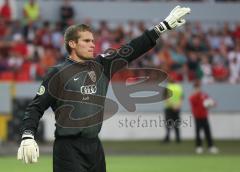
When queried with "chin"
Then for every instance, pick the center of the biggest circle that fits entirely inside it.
(88, 57)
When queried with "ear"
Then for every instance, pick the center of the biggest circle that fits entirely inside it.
(72, 44)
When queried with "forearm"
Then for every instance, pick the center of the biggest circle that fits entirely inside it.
(31, 119)
(39, 104)
(142, 44)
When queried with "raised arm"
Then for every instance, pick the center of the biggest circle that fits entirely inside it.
(147, 40)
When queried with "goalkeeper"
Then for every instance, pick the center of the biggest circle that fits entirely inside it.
(78, 149)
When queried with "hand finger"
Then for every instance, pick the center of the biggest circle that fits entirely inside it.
(186, 10)
(175, 8)
(34, 155)
(182, 12)
(37, 150)
(25, 159)
(34, 159)
(29, 155)
(19, 153)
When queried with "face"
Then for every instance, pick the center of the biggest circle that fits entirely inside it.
(84, 47)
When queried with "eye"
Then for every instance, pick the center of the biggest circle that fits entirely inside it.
(87, 40)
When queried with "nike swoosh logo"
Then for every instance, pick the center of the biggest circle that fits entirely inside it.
(75, 79)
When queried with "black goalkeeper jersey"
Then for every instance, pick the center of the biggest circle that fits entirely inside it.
(76, 91)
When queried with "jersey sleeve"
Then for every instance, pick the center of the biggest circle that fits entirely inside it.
(130, 51)
(42, 101)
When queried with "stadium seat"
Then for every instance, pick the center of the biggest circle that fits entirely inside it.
(23, 76)
(7, 76)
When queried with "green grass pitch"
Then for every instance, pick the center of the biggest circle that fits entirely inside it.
(148, 156)
(168, 163)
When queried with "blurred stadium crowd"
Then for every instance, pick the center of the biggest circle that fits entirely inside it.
(28, 46)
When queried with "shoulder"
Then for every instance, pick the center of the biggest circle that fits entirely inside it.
(192, 96)
(54, 69)
(58, 66)
(205, 95)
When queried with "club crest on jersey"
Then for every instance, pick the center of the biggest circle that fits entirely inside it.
(41, 90)
(92, 76)
(88, 89)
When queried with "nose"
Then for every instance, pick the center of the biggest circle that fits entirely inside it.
(92, 45)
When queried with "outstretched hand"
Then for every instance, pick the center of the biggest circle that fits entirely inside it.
(174, 19)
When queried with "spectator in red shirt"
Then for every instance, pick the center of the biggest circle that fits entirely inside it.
(200, 102)
(19, 46)
(6, 11)
(236, 33)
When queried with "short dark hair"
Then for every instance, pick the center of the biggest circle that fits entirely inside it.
(71, 34)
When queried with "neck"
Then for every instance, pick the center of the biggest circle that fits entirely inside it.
(76, 58)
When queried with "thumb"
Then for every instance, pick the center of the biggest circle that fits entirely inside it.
(181, 22)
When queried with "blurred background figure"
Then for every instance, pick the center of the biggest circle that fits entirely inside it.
(200, 103)
(31, 11)
(6, 11)
(234, 65)
(173, 107)
(67, 14)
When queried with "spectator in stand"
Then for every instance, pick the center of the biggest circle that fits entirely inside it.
(227, 39)
(200, 103)
(15, 61)
(31, 12)
(178, 57)
(220, 70)
(29, 32)
(3, 29)
(180, 50)
(16, 28)
(234, 65)
(67, 13)
(236, 33)
(214, 39)
(43, 35)
(131, 29)
(165, 57)
(57, 37)
(117, 37)
(6, 11)
(196, 47)
(206, 68)
(3, 64)
(105, 36)
(48, 59)
(193, 66)
(19, 46)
